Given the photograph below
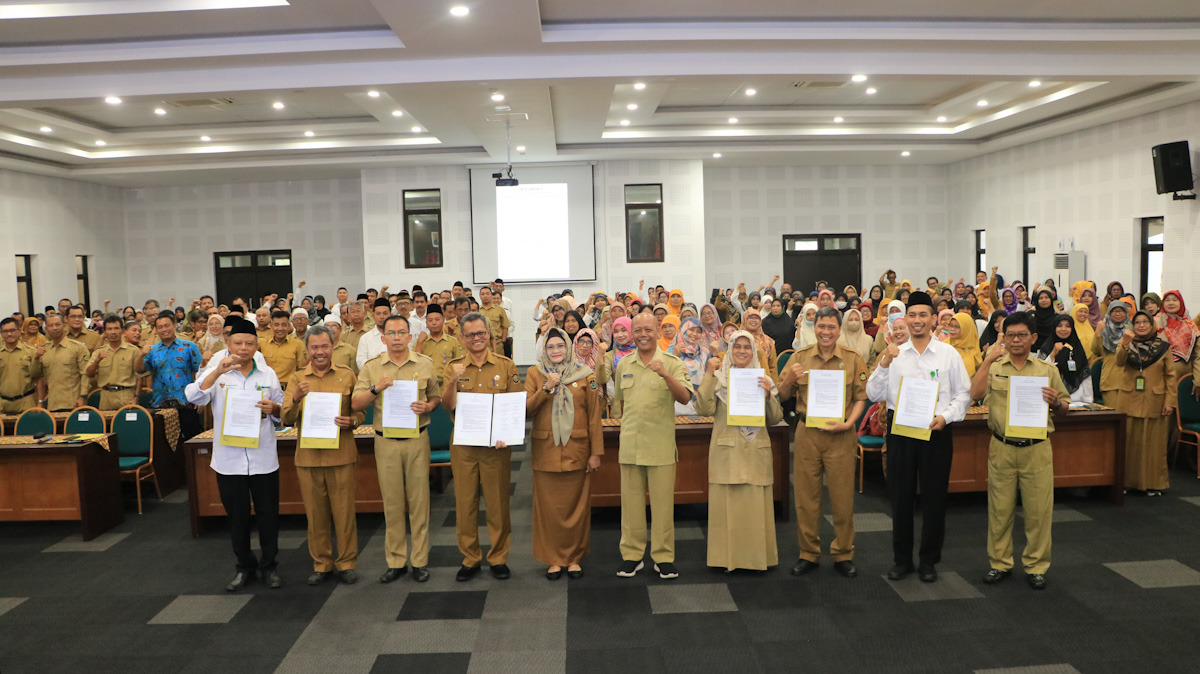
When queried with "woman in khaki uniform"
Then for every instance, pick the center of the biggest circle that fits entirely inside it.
(563, 401)
(741, 516)
(1148, 398)
(1104, 346)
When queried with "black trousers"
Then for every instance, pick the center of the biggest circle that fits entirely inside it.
(236, 494)
(508, 347)
(911, 462)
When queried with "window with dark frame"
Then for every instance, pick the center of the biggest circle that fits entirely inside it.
(83, 283)
(25, 284)
(422, 228)
(1028, 253)
(644, 223)
(981, 252)
(1152, 256)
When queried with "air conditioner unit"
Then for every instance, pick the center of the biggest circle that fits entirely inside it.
(1073, 264)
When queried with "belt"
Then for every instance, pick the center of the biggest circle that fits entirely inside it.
(13, 399)
(380, 434)
(1024, 442)
(114, 387)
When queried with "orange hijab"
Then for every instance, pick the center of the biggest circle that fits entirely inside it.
(663, 342)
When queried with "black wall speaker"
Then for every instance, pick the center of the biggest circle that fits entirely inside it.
(1172, 167)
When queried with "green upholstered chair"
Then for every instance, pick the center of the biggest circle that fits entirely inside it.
(870, 443)
(441, 429)
(1187, 420)
(782, 361)
(369, 419)
(85, 420)
(93, 399)
(33, 421)
(134, 427)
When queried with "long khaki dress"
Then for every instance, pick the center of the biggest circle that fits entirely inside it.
(741, 515)
(1146, 429)
(1110, 376)
(562, 509)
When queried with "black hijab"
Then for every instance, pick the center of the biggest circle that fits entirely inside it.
(1044, 318)
(990, 335)
(1146, 351)
(781, 328)
(578, 321)
(1071, 378)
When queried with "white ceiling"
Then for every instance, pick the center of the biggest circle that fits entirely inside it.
(567, 71)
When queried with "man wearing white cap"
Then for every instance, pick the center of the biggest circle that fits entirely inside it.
(299, 323)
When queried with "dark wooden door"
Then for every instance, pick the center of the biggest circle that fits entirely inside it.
(833, 258)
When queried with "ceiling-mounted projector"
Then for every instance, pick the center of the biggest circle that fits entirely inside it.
(505, 182)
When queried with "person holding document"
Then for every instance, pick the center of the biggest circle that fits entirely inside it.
(318, 404)
(741, 515)
(1020, 390)
(926, 388)
(830, 385)
(649, 383)
(486, 469)
(1148, 384)
(246, 400)
(563, 402)
(403, 387)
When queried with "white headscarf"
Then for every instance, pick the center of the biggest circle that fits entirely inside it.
(748, 432)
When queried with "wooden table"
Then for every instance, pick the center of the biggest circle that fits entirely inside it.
(205, 500)
(691, 471)
(1089, 451)
(46, 481)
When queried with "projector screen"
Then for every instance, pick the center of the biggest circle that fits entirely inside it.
(539, 231)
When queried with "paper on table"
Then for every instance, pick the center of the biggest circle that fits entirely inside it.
(242, 420)
(826, 397)
(508, 418)
(318, 428)
(399, 420)
(747, 400)
(473, 420)
(915, 407)
(1028, 412)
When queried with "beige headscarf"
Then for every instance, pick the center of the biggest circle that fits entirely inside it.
(748, 432)
(854, 337)
(562, 417)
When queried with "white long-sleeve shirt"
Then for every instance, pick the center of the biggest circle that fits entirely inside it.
(369, 346)
(941, 362)
(228, 460)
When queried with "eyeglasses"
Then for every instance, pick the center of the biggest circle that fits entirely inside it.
(1017, 335)
(585, 342)
(556, 347)
(396, 333)
(475, 335)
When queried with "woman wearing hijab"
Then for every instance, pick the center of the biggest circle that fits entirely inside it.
(1083, 328)
(675, 302)
(894, 309)
(1151, 304)
(668, 329)
(688, 311)
(1104, 348)
(854, 336)
(806, 334)
(559, 313)
(572, 324)
(213, 339)
(587, 348)
(902, 296)
(690, 348)
(825, 298)
(765, 346)
(1043, 313)
(1008, 301)
(1112, 294)
(944, 318)
(710, 323)
(741, 516)
(991, 333)
(1176, 327)
(31, 332)
(566, 443)
(603, 326)
(1148, 398)
(1061, 347)
(779, 326)
(868, 315)
(622, 345)
(318, 312)
(965, 341)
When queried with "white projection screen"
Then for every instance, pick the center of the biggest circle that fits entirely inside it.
(542, 230)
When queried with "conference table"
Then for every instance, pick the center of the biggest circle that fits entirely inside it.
(46, 479)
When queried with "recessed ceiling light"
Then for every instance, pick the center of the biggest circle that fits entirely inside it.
(639, 85)
(838, 120)
(113, 100)
(751, 92)
(871, 91)
(716, 155)
(624, 122)
(981, 103)
(100, 143)
(205, 138)
(309, 134)
(942, 118)
(520, 148)
(497, 97)
(733, 120)
(160, 111)
(859, 78)
(905, 153)
(373, 94)
(416, 129)
(460, 10)
(397, 113)
(631, 106)
(1035, 83)
(278, 105)
(46, 129)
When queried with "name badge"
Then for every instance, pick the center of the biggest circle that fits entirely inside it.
(1140, 384)
(627, 376)
(1071, 365)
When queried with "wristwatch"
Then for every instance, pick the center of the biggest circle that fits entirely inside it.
(372, 389)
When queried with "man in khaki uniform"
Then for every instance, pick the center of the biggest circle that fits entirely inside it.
(497, 319)
(64, 362)
(343, 353)
(1018, 463)
(19, 370)
(442, 348)
(402, 463)
(89, 338)
(486, 469)
(326, 475)
(826, 454)
(112, 366)
(284, 353)
(647, 386)
(356, 327)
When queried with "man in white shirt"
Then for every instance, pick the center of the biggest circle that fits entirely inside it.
(908, 458)
(371, 344)
(243, 474)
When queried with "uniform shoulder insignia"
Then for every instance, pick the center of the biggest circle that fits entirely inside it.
(516, 378)
(455, 360)
(421, 356)
(592, 383)
(862, 376)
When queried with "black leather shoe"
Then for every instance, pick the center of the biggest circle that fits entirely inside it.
(994, 576)
(804, 566)
(577, 573)
(392, 574)
(846, 568)
(272, 580)
(348, 576)
(1036, 580)
(500, 571)
(420, 574)
(466, 573)
(239, 581)
(900, 571)
(318, 577)
(927, 573)
(554, 575)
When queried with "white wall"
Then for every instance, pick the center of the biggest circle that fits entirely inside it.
(1093, 185)
(900, 210)
(171, 234)
(54, 220)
